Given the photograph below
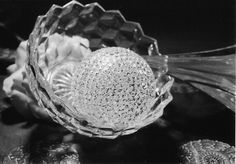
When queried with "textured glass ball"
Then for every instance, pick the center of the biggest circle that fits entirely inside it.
(113, 87)
(105, 93)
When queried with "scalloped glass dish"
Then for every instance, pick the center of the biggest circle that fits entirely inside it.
(102, 29)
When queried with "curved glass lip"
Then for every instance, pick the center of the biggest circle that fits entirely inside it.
(75, 123)
(154, 46)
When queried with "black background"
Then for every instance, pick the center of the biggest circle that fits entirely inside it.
(179, 26)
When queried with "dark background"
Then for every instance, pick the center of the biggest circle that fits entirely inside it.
(179, 26)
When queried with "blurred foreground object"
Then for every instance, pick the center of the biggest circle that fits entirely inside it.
(44, 152)
(16, 86)
(207, 152)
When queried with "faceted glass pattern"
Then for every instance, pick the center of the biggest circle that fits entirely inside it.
(102, 29)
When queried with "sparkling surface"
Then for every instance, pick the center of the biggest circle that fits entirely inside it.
(102, 29)
(115, 87)
(208, 152)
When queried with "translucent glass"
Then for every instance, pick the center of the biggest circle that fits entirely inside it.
(102, 29)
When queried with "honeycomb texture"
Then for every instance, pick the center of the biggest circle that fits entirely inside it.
(207, 151)
(102, 29)
(115, 86)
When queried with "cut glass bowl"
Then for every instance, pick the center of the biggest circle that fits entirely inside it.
(103, 29)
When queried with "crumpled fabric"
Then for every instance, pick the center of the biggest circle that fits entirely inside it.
(16, 85)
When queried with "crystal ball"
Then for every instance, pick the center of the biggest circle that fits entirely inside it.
(113, 87)
(107, 92)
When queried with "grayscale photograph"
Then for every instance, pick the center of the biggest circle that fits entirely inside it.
(117, 82)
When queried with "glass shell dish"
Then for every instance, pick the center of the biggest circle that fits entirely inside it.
(103, 29)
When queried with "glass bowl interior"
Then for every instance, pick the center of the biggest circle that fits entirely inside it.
(103, 29)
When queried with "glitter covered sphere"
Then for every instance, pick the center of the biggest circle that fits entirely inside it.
(106, 93)
(114, 87)
(207, 152)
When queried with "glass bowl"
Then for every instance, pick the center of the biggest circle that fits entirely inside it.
(103, 29)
